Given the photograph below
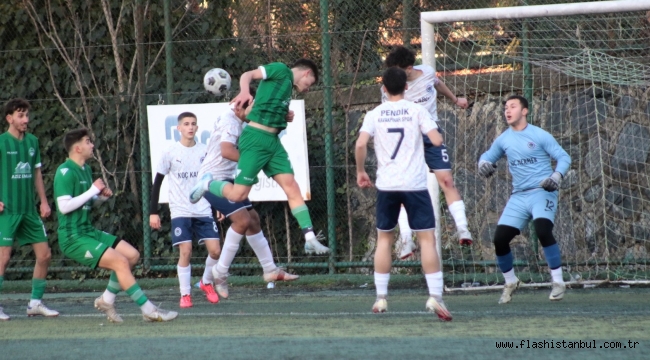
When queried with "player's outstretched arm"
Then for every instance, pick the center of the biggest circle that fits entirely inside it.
(154, 218)
(487, 161)
(229, 151)
(444, 90)
(40, 189)
(67, 203)
(244, 85)
(360, 153)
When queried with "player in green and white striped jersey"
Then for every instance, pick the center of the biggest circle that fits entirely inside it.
(20, 173)
(76, 194)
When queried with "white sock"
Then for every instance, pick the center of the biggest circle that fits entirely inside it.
(434, 283)
(207, 273)
(147, 308)
(510, 276)
(230, 247)
(381, 284)
(34, 302)
(184, 279)
(405, 232)
(262, 250)
(457, 210)
(556, 274)
(309, 235)
(108, 297)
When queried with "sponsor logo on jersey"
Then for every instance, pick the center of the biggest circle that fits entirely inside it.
(422, 99)
(398, 112)
(32, 151)
(12, 152)
(22, 171)
(523, 162)
(531, 145)
(187, 175)
(178, 231)
(64, 171)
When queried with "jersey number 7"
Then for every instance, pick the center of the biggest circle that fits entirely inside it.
(399, 143)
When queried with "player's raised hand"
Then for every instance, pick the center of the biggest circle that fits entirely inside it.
(2, 206)
(552, 183)
(462, 102)
(45, 210)
(241, 99)
(363, 180)
(99, 184)
(154, 221)
(106, 192)
(290, 116)
(486, 168)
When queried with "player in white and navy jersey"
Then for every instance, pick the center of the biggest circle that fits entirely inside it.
(529, 150)
(423, 87)
(397, 126)
(220, 164)
(182, 161)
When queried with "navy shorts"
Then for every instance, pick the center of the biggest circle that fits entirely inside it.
(436, 157)
(225, 206)
(184, 229)
(416, 203)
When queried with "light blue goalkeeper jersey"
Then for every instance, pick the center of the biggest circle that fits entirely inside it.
(529, 153)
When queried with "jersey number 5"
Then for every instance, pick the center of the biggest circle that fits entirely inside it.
(399, 143)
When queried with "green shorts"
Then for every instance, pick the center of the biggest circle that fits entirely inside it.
(87, 248)
(260, 150)
(27, 229)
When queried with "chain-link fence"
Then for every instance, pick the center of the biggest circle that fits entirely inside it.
(80, 65)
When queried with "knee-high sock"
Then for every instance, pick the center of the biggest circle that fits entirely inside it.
(185, 279)
(262, 250)
(207, 273)
(230, 247)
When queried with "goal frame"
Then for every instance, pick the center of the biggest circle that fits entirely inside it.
(429, 18)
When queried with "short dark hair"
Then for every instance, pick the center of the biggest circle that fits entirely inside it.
(185, 115)
(253, 91)
(306, 64)
(394, 79)
(522, 100)
(400, 57)
(16, 104)
(74, 136)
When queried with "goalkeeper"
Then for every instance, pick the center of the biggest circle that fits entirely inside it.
(535, 191)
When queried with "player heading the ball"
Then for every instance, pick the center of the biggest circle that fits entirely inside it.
(259, 145)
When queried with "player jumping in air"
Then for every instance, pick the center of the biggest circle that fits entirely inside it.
(20, 173)
(182, 162)
(423, 85)
(397, 126)
(76, 194)
(259, 145)
(220, 164)
(529, 150)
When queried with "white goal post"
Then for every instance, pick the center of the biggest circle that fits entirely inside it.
(428, 19)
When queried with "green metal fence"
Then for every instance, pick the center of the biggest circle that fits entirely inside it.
(100, 64)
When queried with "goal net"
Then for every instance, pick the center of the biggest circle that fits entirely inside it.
(587, 78)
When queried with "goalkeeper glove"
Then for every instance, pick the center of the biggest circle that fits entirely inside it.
(486, 168)
(551, 183)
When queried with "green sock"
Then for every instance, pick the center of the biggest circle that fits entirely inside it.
(301, 213)
(38, 288)
(137, 294)
(216, 187)
(113, 284)
(2, 280)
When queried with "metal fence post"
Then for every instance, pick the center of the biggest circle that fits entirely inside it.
(327, 110)
(169, 61)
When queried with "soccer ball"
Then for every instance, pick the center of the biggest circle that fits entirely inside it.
(217, 81)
